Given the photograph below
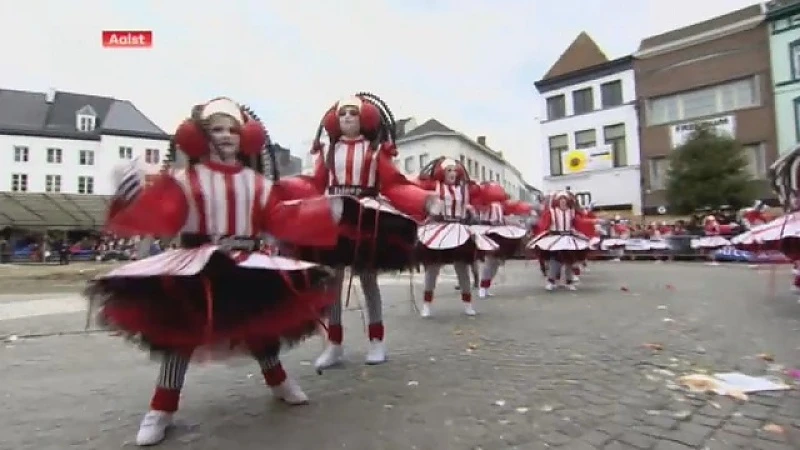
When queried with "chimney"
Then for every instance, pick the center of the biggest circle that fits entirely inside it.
(482, 140)
(50, 96)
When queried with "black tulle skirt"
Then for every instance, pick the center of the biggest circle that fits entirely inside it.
(508, 248)
(371, 238)
(185, 299)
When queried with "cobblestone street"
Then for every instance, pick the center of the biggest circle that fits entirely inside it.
(533, 370)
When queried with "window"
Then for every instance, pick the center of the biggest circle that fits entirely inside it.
(408, 165)
(423, 160)
(491, 175)
(152, 156)
(19, 182)
(797, 119)
(756, 160)
(54, 155)
(582, 101)
(483, 173)
(556, 107)
(21, 153)
(585, 139)
(86, 123)
(52, 183)
(86, 158)
(658, 172)
(85, 185)
(794, 59)
(558, 146)
(461, 158)
(125, 153)
(722, 98)
(614, 135)
(611, 93)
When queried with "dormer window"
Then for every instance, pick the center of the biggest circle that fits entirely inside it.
(86, 123)
(86, 119)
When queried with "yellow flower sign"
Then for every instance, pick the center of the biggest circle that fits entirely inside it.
(576, 161)
(587, 159)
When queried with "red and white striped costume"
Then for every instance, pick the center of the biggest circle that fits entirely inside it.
(447, 237)
(562, 237)
(354, 164)
(492, 213)
(217, 292)
(217, 201)
(381, 207)
(450, 231)
(455, 201)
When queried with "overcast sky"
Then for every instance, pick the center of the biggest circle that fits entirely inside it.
(470, 64)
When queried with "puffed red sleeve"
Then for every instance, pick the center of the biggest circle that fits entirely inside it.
(299, 221)
(475, 192)
(161, 209)
(584, 225)
(407, 197)
(544, 222)
(428, 185)
(307, 186)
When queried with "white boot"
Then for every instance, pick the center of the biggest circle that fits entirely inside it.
(570, 287)
(469, 309)
(376, 353)
(484, 292)
(331, 356)
(426, 310)
(290, 392)
(549, 286)
(153, 428)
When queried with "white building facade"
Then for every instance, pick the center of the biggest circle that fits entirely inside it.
(591, 135)
(432, 140)
(66, 143)
(72, 166)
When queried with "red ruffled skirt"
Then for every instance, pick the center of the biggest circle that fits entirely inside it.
(184, 299)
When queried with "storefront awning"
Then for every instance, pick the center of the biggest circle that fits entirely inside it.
(52, 211)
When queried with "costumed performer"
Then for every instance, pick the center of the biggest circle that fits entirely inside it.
(500, 219)
(619, 233)
(216, 293)
(381, 209)
(712, 239)
(562, 239)
(447, 238)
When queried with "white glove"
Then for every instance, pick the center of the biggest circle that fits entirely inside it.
(129, 179)
(434, 206)
(337, 208)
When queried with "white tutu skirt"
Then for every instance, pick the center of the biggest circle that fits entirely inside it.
(709, 242)
(566, 248)
(559, 243)
(448, 242)
(612, 243)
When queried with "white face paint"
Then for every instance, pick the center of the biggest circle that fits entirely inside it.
(450, 175)
(350, 121)
(224, 131)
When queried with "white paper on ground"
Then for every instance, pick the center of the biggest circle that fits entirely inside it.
(736, 381)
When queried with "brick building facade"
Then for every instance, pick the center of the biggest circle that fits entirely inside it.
(715, 72)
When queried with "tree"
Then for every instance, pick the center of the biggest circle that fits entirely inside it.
(708, 171)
